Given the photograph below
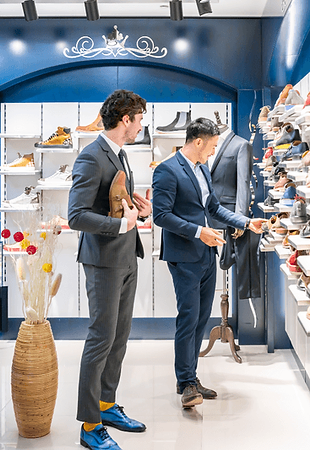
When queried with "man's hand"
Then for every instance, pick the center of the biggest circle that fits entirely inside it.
(256, 225)
(211, 237)
(143, 205)
(130, 214)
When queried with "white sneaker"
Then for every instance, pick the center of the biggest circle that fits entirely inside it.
(63, 177)
(28, 200)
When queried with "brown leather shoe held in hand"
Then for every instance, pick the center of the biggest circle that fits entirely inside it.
(117, 192)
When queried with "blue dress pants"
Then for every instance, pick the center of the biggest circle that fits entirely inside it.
(194, 285)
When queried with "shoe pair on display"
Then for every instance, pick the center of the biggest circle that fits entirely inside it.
(96, 125)
(180, 123)
(289, 195)
(62, 177)
(295, 151)
(283, 95)
(56, 222)
(280, 184)
(291, 262)
(294, 98)
(115, 417)
(273, 224)
(60, 139)
(270, 163)
(287, 135)
(221, 126)
(22, 162)
(267, 154)
(28, 200)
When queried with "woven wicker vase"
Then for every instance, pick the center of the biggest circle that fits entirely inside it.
(34, 379)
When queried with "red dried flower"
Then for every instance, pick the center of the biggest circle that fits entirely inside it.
(31, 249)
(5, 233)
(18, 236)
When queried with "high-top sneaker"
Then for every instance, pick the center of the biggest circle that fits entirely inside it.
(62, 177)
(143, 138)
(22, 161)
(60, 139)
(291, 262)
(180, 123)
(27, 200)
(96, 125)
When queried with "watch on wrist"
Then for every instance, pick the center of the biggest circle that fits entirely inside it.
(247, 224)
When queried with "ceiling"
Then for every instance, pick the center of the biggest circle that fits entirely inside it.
(148, 8)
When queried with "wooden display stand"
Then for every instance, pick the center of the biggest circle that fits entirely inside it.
(223, 331)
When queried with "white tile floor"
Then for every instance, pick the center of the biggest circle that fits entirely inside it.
(262, 403)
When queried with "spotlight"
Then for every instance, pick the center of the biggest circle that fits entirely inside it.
(204, 7)
(92, 11)
(30, 11)
(176, 12)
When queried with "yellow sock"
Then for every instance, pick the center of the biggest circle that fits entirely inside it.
(104, 406)
(90, 426)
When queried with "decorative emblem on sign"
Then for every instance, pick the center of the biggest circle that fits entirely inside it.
(115, 46)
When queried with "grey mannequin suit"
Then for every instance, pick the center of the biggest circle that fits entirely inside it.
(110, 264)
(231, 177)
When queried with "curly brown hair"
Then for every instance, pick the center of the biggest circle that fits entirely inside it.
(119, 104)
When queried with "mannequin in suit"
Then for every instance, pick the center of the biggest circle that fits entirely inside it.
(231, 171)
(108, 249)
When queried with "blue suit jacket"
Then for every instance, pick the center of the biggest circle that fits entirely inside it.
(178, 209)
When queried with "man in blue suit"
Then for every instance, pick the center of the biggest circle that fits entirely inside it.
(184, 205)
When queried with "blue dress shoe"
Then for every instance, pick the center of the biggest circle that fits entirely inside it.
(115, 417)
(98, 439)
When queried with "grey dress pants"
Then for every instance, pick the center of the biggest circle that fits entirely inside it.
(111, 293)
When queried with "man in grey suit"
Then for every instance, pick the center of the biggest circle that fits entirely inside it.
(108, 250)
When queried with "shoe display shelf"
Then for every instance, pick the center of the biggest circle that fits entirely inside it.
(290, 226)
(276, 112)
(279, 207)
(269, 183)
(291, 114)
(265, 209)
(299, 243)
(282, 252)
(297, 176)
(303, 191)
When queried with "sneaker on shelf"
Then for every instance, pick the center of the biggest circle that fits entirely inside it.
(29, 199)
(60, 139)
(22, 162)
(283, 95)
(56, 221)
(96, 125)
(62, 177)
(291, 262)
(180, 123)
(268, 153)
(263, 115)
(294, 98)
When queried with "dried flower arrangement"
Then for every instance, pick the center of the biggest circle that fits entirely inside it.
(35, 269)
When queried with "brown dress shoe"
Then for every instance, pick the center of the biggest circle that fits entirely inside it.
(117, 192)
(191, 397)
(205, 392)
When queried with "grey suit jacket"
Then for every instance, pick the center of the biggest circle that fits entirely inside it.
(100, 243)
(231, 175)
